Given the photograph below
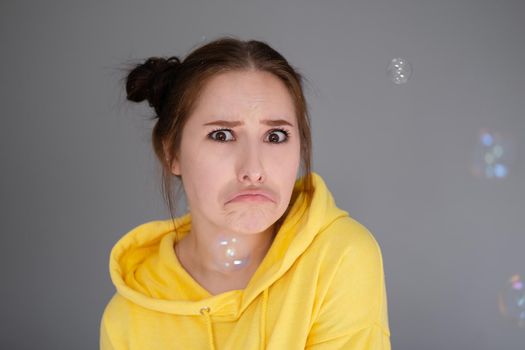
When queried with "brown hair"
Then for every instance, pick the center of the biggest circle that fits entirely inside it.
(172, 87)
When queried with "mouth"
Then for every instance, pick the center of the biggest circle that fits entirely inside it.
(252, 196)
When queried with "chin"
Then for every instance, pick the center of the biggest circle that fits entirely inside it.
(252, 221)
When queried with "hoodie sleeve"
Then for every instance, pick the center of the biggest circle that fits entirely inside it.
(111, 335)
(105, 340)
(353, 313)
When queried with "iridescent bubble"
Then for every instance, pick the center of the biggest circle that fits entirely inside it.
(231, 253)
(498, 151)
(486, 138)
(511, 301)
(493, 155)
(399, 70)
(500, 170)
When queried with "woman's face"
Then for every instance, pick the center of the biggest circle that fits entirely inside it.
(241, 136)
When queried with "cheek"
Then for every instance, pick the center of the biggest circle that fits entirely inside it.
(205, 174)
(287, 160)
(198, 158)
(201, 190)
(285, 170)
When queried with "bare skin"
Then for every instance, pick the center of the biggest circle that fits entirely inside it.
(214, 280)
(242, 136)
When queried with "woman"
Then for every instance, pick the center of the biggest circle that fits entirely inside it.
(263, 259)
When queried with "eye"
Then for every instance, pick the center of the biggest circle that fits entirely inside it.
(274, 137)
(221, 135)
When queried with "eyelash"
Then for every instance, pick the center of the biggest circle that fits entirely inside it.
(284, 131)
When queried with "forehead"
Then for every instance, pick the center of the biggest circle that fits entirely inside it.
(237, 93)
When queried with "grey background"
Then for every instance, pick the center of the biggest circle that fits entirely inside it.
(78, 170)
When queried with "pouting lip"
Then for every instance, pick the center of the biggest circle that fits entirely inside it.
(251, 192)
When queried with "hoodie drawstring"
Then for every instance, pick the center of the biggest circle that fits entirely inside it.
(206, 312)
(263, 320)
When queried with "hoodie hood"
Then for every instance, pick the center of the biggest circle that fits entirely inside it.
(145, 270)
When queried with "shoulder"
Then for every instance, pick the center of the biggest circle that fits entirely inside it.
(347, 239)
(117, 312)
(352, 278)
(345, 254)
(114, 324)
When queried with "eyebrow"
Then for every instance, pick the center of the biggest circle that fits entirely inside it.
(231, 124)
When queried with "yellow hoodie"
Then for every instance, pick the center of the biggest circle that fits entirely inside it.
(320, 286)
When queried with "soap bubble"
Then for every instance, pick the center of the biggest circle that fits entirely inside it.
(231, 253)
(399, 70)
(511, 301)
(493, 155)
(486, 138)
(500, 170)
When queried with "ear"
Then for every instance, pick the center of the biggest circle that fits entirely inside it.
(175, 164)
(175, 167)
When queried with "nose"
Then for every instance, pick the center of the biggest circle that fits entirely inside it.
(250, 169)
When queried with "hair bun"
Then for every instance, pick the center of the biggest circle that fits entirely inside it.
(150, 80)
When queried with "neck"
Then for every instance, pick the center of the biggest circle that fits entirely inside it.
(226, 255)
